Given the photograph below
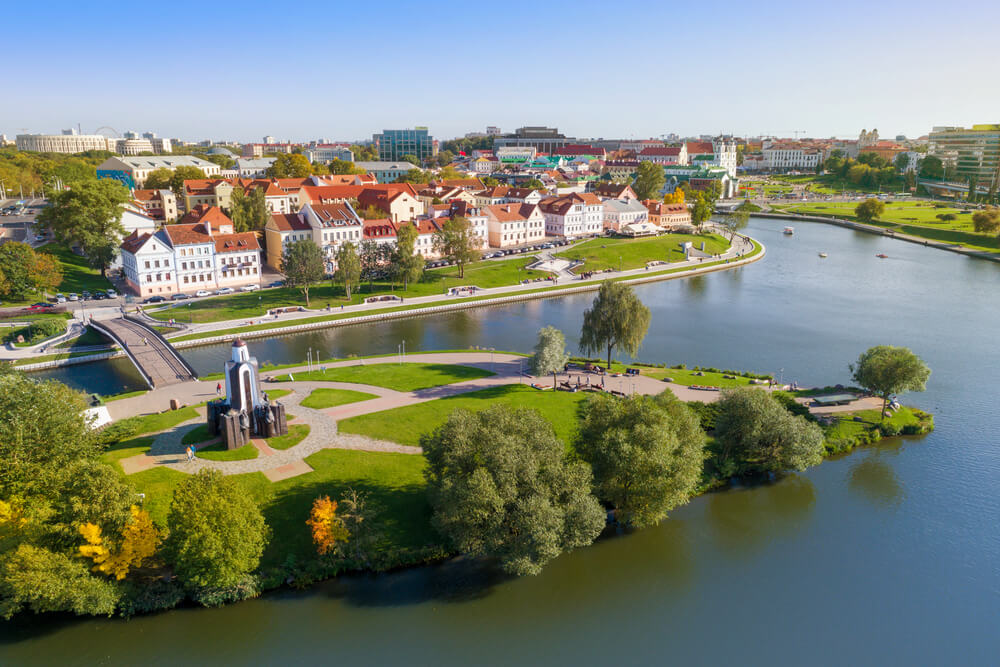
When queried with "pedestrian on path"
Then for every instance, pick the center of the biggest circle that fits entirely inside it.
(189, 450)
(218, 389)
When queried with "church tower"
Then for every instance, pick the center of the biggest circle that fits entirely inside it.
(243, 379)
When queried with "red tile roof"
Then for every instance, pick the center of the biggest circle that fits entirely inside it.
(561, 205)
(204, 213)
(289, 222)
(379, 229)
(699, 147)
(241, 242)
(511, 212)
(662, 151)
(134, 241)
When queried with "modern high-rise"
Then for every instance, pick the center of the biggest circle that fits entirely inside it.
(542, 139)
(394, 144)
(974, 153)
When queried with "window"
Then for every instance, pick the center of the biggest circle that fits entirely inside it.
(147, 263)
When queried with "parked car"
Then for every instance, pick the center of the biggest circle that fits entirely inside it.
(100, 296)
(203, 292)
(155, 299)
(277, 283)
(85, 294)
(250, 288)
(112, 294)
(37, 307)
(60, 298)
(180, 296)
(225, 290)
(74, 297)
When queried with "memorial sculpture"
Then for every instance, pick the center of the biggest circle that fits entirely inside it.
(246, 410)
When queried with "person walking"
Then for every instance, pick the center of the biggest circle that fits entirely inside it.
(189, 450)
(218, 389)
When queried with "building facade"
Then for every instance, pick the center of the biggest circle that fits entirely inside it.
(394, 144)
(67, 142)
(512, 225)
(972, 153)
(573, 215)
(132, 171)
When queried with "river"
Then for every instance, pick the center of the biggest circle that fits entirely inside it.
(887, 555)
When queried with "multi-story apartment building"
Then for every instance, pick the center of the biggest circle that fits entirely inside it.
(664, 154)
(667, 216)
(260, 150)
(574, 215)
(325, 153)
(542, 139)
(621, 212)
(253, 167)
(394, 144)
(328, 225)
(512, 225)
(785, 156)
(187, 257)
(972, 153)
(160, 205)
(384, 171)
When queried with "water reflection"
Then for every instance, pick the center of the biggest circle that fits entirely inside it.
(745, 519)
(873, 478)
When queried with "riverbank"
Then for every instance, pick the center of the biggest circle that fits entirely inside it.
(394, 479)
(210, 333)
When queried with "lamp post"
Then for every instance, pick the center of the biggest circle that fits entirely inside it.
(492, 350)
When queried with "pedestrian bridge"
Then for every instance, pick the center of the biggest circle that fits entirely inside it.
(156, 359)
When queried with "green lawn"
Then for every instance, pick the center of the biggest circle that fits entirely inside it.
(197, 434)
(126, 448)
(327, 397)
(405, 425)
(218, 452)
(401, 377)
(296, 434)
(435, 281)
(126, 394)
(828, 184)
(156, 422)
(846, 427)
(688, 377)
(603, 253)
(27, 361)
(77, 274)
(917, 218)
(89, 337)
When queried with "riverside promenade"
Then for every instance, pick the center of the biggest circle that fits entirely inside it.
(167, 449)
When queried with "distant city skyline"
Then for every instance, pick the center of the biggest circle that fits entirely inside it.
(625, 71)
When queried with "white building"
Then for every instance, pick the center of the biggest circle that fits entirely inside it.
(67, 142)
(791, 156)
(132, 171)
(253, 167)
(621, 212)
(514, 224)
(573, 215)
(326, 153)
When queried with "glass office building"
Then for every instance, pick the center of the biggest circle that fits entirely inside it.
(394, 144)
(974, 153)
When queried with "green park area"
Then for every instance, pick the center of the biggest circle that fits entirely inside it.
(250, 305)
(326, 397)
(755, 189)
(78, 275)
(831, 184)
(613, 253)
(688, 377)
(558, 407)
(399, 377)
(916, 218)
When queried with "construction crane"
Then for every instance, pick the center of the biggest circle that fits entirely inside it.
(796, 133)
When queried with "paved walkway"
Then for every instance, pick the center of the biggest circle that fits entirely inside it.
(156, 359)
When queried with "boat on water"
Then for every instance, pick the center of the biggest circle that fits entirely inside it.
(822, 254)
(789, 230)
(882, 255)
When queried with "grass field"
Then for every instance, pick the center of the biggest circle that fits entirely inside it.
(401, 377)
(77, 274)
(846, 427)
(27, 361)
(89, 337)
(709, 379)
(126, 448)
(604, 253)
(915, 218)
(435, 281)
(828, 184)
(218, 452)
(296, 434)
(405, 425)
(327, 397)
(196, 435)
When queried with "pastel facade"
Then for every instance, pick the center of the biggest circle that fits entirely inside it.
(573, 215)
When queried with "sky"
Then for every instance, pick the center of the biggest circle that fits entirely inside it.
(342, 71)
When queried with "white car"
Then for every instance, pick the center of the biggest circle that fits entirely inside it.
(74, 297)
(250, 288)
(202, 292)
(225, 290)
(60, 298)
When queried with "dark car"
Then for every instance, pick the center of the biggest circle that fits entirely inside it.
(277, 283)
(35, 307)
(98, 296)
(180, 297)
(155, 299)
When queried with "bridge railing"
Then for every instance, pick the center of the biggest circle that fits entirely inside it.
(158, 336)
(128, 353)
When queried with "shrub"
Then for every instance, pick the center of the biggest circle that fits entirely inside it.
(149, 596)
(37, 330)
(215, 596)
(946, 217)
(889, 429)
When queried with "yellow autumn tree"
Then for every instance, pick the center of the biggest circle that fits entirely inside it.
(675, 197)
(327, 528)
(140, 540)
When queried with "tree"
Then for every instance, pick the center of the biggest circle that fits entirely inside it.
(371, 255)
(348, 271)
(407, 263)
(42, 580)
(500, 486)
(869, 209)
(224, 161)
(412, 159)
(532, 184)
(89, 216)
(735, 221)
(457, 242)
(973, 194)
(414, 176)
(675, 197)
(217, 532)
(23, 271)
(649, 180)
(701, 211)
(249, 212)
(138, 544)
(303, 265)
(901, 162)
(290, 165)
(550, 353)
(344, 167)
(87, 491)
(616, 319)
(184, 173)
(986, 221)
(886, 370)
(932, 167)
(445, 157)
(44, 431)
(158, 179)
(754, 433)
(327, 529)
(449, 172)
(646, 453)
(47, 273)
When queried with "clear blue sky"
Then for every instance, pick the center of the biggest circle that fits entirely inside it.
(343, 70)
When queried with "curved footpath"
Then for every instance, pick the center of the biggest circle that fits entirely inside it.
(737, 255)
(168, 450)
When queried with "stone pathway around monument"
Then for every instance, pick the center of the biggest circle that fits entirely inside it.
(167, 448)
